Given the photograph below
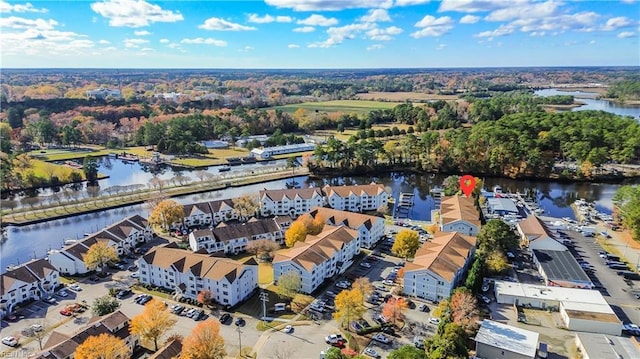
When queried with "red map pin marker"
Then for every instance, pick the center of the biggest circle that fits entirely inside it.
(467, 184)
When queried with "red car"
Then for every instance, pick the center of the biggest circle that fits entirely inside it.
(66, 313)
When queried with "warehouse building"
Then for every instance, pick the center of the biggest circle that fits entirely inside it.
(501, 341)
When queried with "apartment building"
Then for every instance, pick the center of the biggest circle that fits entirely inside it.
(33, 280)
(289, 202)
(439, 265)
(233, 238)
(370, 228)
(319, 257)
(458, 214)
(356, 198)
(188, 273)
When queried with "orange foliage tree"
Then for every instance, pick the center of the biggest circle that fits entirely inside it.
(394, 309)
(363, 285)
(204, 342)
(103, 346)
(204, 297)
(464, 308)
(152, 323)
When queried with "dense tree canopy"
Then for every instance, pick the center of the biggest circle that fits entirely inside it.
(627, 205)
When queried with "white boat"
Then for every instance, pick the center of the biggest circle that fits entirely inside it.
(68, 242)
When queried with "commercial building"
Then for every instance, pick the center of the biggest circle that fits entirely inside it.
(439, 265)
(319, 257)
(458, 214)
(290, 202)
(501, 341)
(535, 234)
(103, 93)
(356, 198)
(560, 268)
(233, 238)
(502, 206)
(33, 280)
(370, 228)
(63, 346)
(188, 273)
(123, 236)
(268, 152)
(581, 310)
(602, 346)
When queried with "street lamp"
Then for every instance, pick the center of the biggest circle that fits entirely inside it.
(239, 338)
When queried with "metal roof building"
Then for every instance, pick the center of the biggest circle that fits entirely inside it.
(500, 205)
(600, 346)
(560, 268)
(497, 340)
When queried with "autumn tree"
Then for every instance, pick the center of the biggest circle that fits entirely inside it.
(152, 323)
(464, 309)
(166, 213)
(406, 244)
(297, 232)
(349, 306)
(496, 262)
(204, 342)
(262, 248)
(289, 284)
(99, 254)
(204, 297)
(317, 225)
(451, 343)
(407, 352)
(496, 234)
(245, 207)
(363, 285)
(103, 346)
(394, 309)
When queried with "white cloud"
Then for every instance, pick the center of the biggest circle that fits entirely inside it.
(134, 43)
(500, 31)
(147, 49)
(104, 42)
(476, 5)
(215, 23)
(142, 33)
(376, 15)
(203, 41)
(293, 46)
(329, 5)
(469, 19)
(26, 7)
(304, 29)
(386, 34)
(246, 49)
(433, 27)
(338, 34)
(164, 41)
(375, 47)
(617, 22)
(522, 10)
(255, 18)
(626, 34)
(134, 13)
(441, 47)
(592, 42)
(15, 22)
(318, 20)
(410, 2)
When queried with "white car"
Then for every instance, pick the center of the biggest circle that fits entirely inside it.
(288, 329)
(134, 275)
(333, 338)
(75, 287)
(37, 327)
(485, 287)
(371, 352)
(63, 293)
(365, 265)
(388, 282)
(381, 338)
(434, 321)
(10, 341)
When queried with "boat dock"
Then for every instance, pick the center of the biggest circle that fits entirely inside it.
(404, 205)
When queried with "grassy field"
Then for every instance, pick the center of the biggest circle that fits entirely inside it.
(404, 96)
(64, 154)
(346, 106)
(344, 136)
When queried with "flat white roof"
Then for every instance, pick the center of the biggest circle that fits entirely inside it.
(603, 346)
(502, 204)
(560, 294)
(507, 337)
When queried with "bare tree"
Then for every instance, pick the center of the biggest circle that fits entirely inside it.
(263, 248)
(282, 351)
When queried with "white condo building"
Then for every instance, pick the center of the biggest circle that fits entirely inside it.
(438, 266)
(319, 257)
(33, 280)
(370, 228)
(289, 202)
(458, 214)
(356, 198)
(188, 273)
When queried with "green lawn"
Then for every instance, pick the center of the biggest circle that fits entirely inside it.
(347, 106)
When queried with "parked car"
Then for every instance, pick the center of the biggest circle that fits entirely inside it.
(485, 287)
(176, 309)
(63, 293)
(50, 300)
(424, 308)
(418, 341)
(123, 293)
(37, 327)
(132, 268)
(75, 287)
(365, 265)
(389, 330)
(434, 321)
(224, 318)
(66, 313)
(381, 338)
(334, 339)
(486, 299)
(631, 329)
(288, 329)
(240, 322)
(371, 352)
(134, 275)
(10, 341)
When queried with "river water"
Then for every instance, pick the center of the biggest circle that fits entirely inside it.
(592, 103)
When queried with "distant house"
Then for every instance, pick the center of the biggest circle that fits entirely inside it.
(290, 202)
(370, 228)
(439, 265)
(63, 346)
(495, 340)
(103, 93)
(188, 273)
(123, 236)
(33, 280)
(170, 350)
(233, 238)
(197, 214)
(268, 152)
(319, 257)
(356, 198)
(458, 214)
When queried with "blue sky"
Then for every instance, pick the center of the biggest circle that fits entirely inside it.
(318, 33)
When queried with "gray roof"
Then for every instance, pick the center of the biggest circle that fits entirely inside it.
(502, 204)
(603, 346)
(560, 265)
(506, 337)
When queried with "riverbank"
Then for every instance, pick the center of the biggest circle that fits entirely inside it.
(62, 210)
